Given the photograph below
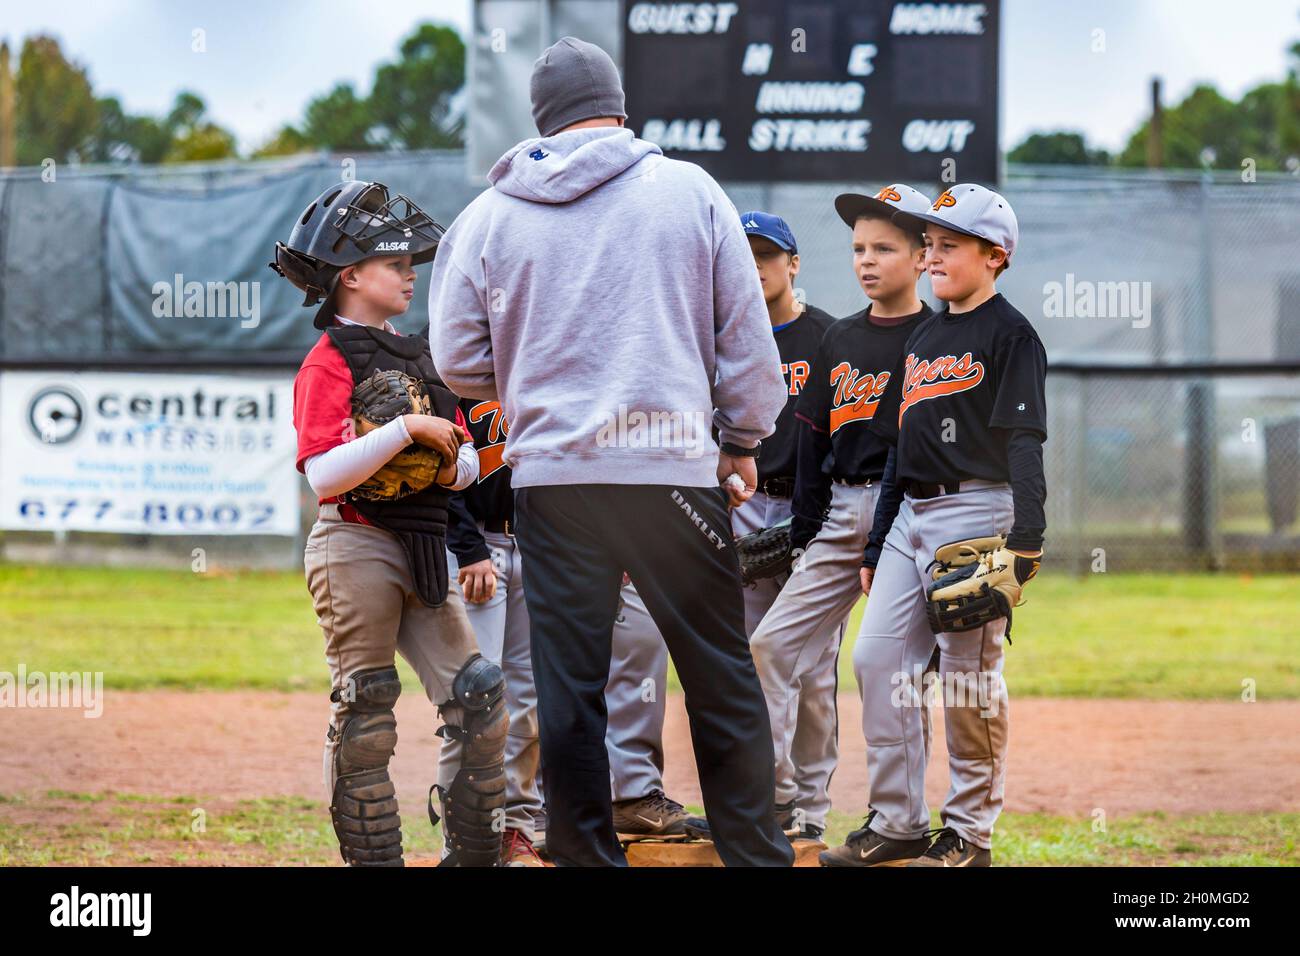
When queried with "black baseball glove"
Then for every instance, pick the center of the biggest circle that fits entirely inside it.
(765, 553)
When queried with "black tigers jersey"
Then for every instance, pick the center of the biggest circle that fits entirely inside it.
(853, 366)
(489, 497)
(797, 342)
(964, 382)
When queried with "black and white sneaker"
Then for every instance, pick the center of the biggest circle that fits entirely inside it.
(866, 847)
(810, 831)
(787, 818)
(949, 849)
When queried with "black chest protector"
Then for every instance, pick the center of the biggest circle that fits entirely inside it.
(419, 521)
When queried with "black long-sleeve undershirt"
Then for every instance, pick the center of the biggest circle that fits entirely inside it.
(1028, 490)
(464, 539)
(812, 485)
(1028, 496)
(888, 502)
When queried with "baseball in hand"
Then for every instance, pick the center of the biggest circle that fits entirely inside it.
(736, 483)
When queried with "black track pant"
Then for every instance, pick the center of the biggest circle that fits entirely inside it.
(576, 541)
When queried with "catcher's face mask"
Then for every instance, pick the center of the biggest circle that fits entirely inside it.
(379, 225)
(344, 225)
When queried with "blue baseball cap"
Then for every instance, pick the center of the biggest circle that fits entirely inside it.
(768, 226)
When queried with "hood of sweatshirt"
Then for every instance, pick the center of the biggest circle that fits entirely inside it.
(562, 167)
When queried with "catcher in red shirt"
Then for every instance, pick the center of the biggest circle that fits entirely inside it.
(383, 445)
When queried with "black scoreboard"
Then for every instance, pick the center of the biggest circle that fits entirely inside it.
(817, 89)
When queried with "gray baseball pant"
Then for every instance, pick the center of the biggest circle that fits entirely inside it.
(893, 647)
(501, 626)
(796, 644)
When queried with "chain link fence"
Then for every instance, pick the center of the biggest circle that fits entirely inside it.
(1169, 304)
(1166, 471)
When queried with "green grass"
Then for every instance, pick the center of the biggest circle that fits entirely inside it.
(117, 829)
(1104, 635)
(1193, 636)
(1144, 839)
(153, 628)
(114, 829)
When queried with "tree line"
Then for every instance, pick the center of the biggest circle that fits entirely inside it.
(1204, 129)
(57, 115)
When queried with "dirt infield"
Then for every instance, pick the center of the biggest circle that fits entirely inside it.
(1067, 756)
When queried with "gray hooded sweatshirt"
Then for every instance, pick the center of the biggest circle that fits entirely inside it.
(607, 297)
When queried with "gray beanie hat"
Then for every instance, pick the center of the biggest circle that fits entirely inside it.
(574, 80)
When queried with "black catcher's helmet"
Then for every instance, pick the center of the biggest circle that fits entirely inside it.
(346, 223)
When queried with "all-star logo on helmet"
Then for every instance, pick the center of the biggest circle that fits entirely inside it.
(349, 222)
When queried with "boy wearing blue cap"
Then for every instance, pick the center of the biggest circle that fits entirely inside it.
(803, 724)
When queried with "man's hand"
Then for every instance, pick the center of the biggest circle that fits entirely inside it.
(478, 581)
(747, 469)
(442, 436)
(865, 575)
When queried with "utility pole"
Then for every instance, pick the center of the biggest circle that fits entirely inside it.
(1156, 129)
(8, 139)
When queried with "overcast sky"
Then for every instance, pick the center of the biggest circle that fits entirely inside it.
(266, 59)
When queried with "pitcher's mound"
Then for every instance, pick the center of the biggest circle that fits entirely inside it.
(701, 853)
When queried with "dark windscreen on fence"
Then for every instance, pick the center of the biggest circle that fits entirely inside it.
(1169, 304)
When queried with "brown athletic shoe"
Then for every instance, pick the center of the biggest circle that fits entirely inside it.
(949, 849)
(517, 850)
(866, 847)
(653, 817)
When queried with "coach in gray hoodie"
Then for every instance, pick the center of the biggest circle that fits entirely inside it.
(607, 297)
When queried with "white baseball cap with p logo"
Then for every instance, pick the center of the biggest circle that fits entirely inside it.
(973, 210)
(894, 199)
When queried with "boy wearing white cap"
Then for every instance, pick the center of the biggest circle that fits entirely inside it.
(966, 411)
(838, 467)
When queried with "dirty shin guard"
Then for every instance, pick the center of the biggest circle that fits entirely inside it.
(473, 805)
(364, 804)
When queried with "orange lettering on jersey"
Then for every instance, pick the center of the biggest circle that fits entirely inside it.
(944, 200)
(889, 194)
(490, 459)
(856, 397)
(497, 426)
(945, 375)
(490, 454)
(796, 375)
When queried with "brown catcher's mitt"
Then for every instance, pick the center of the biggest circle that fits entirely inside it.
(377, 401)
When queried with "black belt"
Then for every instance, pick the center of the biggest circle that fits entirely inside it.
(777, 487)
(926, 489)
(498, 526)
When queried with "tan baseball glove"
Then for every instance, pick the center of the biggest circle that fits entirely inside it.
(976, 581)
